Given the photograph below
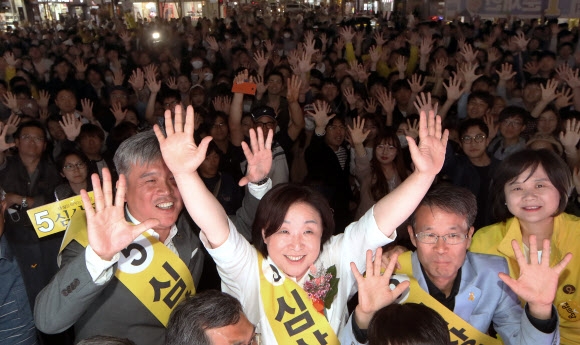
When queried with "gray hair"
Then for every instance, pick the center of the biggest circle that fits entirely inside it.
(193, 316)
(451, 199)
(139, 149)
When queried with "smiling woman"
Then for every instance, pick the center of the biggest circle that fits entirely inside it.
(531, 191)
(295, 280)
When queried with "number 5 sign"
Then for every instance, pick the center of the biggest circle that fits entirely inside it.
(54, 217)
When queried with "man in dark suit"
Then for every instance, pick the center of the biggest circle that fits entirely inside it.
(142, 232)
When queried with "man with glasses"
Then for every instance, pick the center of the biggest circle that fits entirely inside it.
(210, 318)
(464, 287)
(29, 178)
(475, 168)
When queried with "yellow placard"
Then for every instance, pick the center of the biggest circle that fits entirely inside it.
(53, 218)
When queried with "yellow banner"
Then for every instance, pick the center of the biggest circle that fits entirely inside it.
(150, 270)
(461, 331)
(290, 312)
(54, 217)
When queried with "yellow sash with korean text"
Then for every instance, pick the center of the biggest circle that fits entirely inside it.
(150, 270)
(460, 330)
(291, 314)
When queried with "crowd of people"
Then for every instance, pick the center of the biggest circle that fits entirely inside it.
(277, 159)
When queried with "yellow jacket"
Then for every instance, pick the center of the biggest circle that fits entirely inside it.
(496, 239)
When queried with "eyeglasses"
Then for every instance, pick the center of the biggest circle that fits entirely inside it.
(478, 139)
(512, 123)
(383, 148)
(268, 125)
(79, 165)
(29, 138)
(219, 125)
(337, 127)
(429, 238)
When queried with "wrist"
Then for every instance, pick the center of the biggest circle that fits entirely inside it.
(540, 311)
(361, 318)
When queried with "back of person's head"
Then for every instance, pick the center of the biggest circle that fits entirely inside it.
(408, 324)
(204, 311)
(105, 340)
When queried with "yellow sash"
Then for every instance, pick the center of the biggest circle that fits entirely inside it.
(150, 270)
(54, 217)
(291, 314)
(460, 330)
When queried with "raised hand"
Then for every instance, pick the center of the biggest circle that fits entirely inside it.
(137, 79)
(532, 67)
(347, 33)
(118, 113)
(423, 103)
(357, 132)
(71, 126)
(439, 68)
(152, 84)
(261, 59)
(320, 114)
(415, 83)
(107, 229)
(387, 101)
(87, 106)
(428, 157)
(118, 77)
(549, 91)
(374, 291)
(180, 153)
(259, 157)
(492, 127)
(172, 83)
(371, 105)
(506, 72)
(571, 136)
(426, 46)
(375, 54)
(304, 64)
(349, 96)
(10, 59)
(469, 55)
(11, 102)
(269, 46)
(401, 65)
(339, 44)
(3, 144)
(538, 282)
(564, 98)
(80, 65)
(213, 45)
(43, 98)
(493, 55)
(412, 130)
(468, 72)
(454, 90)
(261, 87)
(379, 40)
(571, 78)
(293, 85)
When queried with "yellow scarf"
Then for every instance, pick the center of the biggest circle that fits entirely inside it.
(150, 270)
(291, 314)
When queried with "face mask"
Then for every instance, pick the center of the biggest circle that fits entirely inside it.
(256, 42)
(208, 76)
(403, 140)
(109, 80)
(197, 64)
(281, 52)
(287, 35)
(247, 106)
(227, 37)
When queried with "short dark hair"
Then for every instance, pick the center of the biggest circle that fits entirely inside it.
(464, 126)
(30, 124)
(451, 199)
(276, 203)
(515, 164)
(196, 314)
(484, 96)
(408, 324)
(91, 130)
(514, 111)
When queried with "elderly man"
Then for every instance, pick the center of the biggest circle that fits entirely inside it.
(137, 258)
(464, 287)
(210, 318)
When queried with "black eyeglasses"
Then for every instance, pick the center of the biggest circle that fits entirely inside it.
(429, 238)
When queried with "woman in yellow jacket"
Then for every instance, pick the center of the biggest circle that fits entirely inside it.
(531, 191)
